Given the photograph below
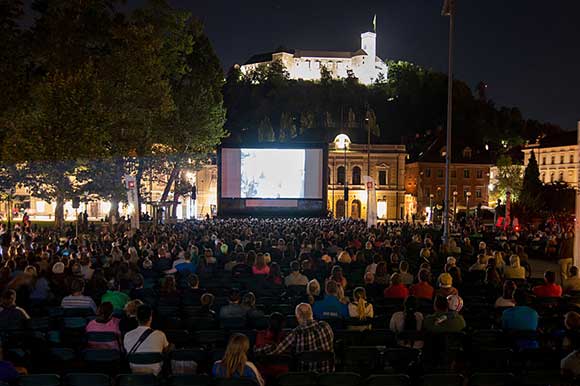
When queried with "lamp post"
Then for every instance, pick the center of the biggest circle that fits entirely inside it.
(455, 205)
(342, 141)
(467, 195)
(448, 10)
(431, 208)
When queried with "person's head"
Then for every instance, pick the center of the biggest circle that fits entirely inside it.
(331, 288)
(369, 278)
(169, 285)
(440, 304)
(424, 275)
(396, 279)
(276, 323)
(77, 286)
(445, 280)
(508, 289)
(234, 297)
(572, 320)
(381, 270)
(336, 273)
(514, 261)
(131, 307)
(31, 271)
(550, 277)
(313, 288)
(105, 311)
(207, 299)
(520, 297)
(260, 261)
(235, 357)
(360, 297)
(8, 298)
(573, 271)
(138, 281)
(144, 315)
(193, 281)
(303, 313)
(403, 266)
(455, 303)
(275, 270)
(249, 300)
(451, 261)
(295, 266)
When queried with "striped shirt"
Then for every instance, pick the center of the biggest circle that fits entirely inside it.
(310, 336)
(79, 301)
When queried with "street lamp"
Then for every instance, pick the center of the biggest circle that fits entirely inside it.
(342, 141)
(467, 195)
(455, 193)
(431, 208)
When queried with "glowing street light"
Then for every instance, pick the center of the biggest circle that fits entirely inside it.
(342, 141)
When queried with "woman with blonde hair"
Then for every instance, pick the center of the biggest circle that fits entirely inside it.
(499, 261)
(313, 291)
(235, 362)
(360, 308)
(514, 270)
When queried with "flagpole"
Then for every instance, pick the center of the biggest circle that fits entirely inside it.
(449, 10)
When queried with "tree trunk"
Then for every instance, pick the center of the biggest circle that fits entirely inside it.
(138, 178)
(59, 212)
(174, 206)
(172, 176)
(114, 211)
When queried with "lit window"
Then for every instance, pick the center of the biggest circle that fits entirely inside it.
(465, 173)
(382, 177)
(478, 193)
(479, 173)
(561, 159)
(428, 172)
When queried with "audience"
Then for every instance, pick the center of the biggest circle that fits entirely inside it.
(235, 362)
(295, 277)
(549, 289)
(76, 299)
(105, 322)
(507, 297)
(423, 290)
(397, 290)
(330, 306)
(572, 283)
(443, 319)
(360, 308)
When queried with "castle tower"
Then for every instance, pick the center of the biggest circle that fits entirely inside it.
(369, 45)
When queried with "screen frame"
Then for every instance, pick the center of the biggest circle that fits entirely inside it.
(271, 145)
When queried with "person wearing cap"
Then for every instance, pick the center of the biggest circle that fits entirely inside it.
(446, 288)
(443, 320)
(455, 303)
(76, 299)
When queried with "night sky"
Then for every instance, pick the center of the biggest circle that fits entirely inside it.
(527, 51)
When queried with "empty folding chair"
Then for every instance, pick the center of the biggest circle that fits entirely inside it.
(443, 380)
(310, 359)
(339, 379)
(39, 380)
(137, 380)
(180, 338)
(187, 361)
(388, 380)
(491, 379)
(190, 380)
(86, 379)
(402, 359)
(102, 361)
(297, 379)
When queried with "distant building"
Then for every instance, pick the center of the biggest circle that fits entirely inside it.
(469, 177)
(307, 64)
(557, 157)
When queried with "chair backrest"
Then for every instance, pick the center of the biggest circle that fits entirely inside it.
(297, 379)
(339, 379)
(145, 358)
(102, 337)
(242, 381)
(39, 380)
(443, 380)
(91, 355)
(85, 379)
(137, 380)
(388, 380)
(190, 380)
(491, 379)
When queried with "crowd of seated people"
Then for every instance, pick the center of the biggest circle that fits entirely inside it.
(262, 297)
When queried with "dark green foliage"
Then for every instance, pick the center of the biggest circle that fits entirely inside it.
(531, 195)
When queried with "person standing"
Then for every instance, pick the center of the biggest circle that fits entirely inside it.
(566, 254)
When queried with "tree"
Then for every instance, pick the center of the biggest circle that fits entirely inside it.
(531, 193)
(509, 178)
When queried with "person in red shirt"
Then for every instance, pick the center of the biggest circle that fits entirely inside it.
(272, 336)
(397, 289)
(423, 289)
(550, 289)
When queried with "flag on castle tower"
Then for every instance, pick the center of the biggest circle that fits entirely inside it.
(375, 23)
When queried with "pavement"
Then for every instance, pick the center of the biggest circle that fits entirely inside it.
(540, 266)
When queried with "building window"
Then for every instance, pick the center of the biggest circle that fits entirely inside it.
(329, 177)
(553, 160)
(356, 175)
(382, 177)
(467, 153)
(465, 190)
(465, 173)
(454, 173)
(479, 173)
(551, 177)
(543, 160)
(427, 192)
(543, 177)
(561, 159)
(478, 193)
(571, 158)
(439, 192)
(561, 177)
(428, 172)
(340, 175)
(439, 173)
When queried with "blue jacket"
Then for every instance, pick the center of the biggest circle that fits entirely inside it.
(329, 307)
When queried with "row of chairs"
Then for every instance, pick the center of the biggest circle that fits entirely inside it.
(302, 379)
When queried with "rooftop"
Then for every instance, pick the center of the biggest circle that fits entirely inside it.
(565, 138)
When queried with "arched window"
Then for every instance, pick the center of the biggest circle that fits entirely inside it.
(340, 175)
(355, 209)
(356, 175)
(561, 177)
(339, 212)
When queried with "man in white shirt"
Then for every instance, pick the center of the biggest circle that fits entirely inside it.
(144, 339)
(295, 277)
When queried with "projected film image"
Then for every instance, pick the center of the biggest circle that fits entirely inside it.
(272, 173)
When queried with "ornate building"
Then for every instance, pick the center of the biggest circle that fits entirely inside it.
(557, 157)
(387, 168)
(469, 178)
(307, 64)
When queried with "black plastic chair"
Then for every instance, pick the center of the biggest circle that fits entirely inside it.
(297, 379)
(103, 361)
(85, 379)
(190, 380)
(137, 380)
(39, 380)
(401, 359)
(443, 380)
(311, 359)
(543, 378)
(491, 379)
(339, 379)
(235, 382)
(388, 380)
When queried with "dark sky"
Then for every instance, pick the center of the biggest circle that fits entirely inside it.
(527, 51)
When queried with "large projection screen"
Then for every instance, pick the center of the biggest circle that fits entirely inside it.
(254, 177)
